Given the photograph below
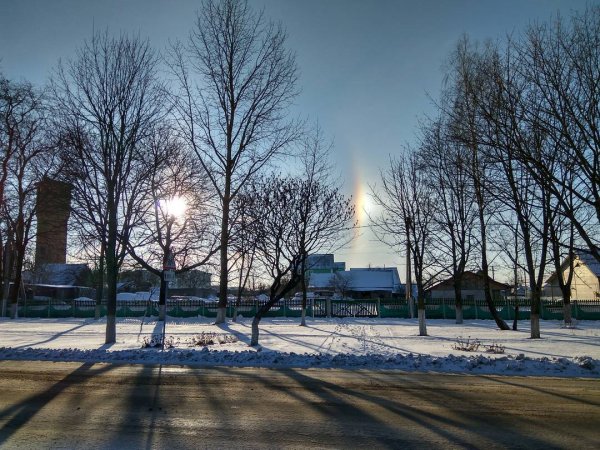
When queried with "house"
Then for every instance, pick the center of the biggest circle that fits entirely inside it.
(359, 282)
(323, 262)
(585, 284)
(472, 287)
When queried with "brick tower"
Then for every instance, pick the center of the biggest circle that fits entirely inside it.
(53, 209)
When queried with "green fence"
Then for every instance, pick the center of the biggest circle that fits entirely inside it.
(321, 307)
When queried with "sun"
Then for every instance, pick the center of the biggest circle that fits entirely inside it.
(174, 206)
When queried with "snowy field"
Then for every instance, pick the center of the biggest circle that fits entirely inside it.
(341, 343)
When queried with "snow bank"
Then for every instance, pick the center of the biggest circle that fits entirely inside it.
(380, 344)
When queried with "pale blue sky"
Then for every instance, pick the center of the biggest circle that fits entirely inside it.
(367, 67)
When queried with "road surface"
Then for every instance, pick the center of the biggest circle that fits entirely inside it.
(86, 405)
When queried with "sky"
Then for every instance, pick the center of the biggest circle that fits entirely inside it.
(369, 70)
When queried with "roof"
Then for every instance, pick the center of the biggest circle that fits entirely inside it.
(360, 280)
(591, 262)
(586, 258)
(448, 283)
(62, 274)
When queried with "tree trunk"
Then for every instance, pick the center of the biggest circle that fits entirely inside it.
(14, 289)
(255, 322)
(421, 310)
(224, 269)
(112, 271)
(567, 305)
(7, 267)
(516, 319)
(479, 195)
(535, 314)
(303, 316)
(458, 300)
(162, 298)
(567, 313)
(303, 284)
(408, 285)
(100, 288)
(486, 279)
(459, 314)
(422, 323)
(111, 302)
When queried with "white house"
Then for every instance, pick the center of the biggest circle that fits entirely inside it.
(359, 282)
(585, 284)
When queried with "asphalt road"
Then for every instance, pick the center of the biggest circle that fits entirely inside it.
(84, 405)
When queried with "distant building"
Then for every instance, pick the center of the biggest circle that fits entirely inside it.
(472, 287)
(585, 284)
(359, 282)
(59, 274)
(323, 263)
(196, 279)
(53, 207)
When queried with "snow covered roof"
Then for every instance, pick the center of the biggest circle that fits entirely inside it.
(586, 258)
(61, 274)
(591, 262)
(360, 280)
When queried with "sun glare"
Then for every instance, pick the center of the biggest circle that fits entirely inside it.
(174, 206)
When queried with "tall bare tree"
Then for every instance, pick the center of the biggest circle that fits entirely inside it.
(177, 211)
(27, 159)
(106, 100)
(236, 79)
(290, 219)
(446, 164)
(407, 200)
(464, 83)
(318, 232)
(562, 61)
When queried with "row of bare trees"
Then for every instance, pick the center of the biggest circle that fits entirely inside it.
(512, 160)
(176, 169)
(26, 158)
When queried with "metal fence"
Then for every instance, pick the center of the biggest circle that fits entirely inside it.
(320, 307)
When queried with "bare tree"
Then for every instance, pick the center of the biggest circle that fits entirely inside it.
(562, 61)
(242, 246)
(446, 164)
(464, 118)
(15, 110)
(285, 230)
(234, 93)
(27, 161)
(105, 101)
(319, 230)
(407, 200)
(177, 212)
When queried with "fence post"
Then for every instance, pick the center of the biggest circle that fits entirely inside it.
(476, 309)
(328, 307)
(379, 308)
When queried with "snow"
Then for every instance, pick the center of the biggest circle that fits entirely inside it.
(390, 344)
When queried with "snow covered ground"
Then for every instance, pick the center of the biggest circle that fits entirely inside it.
(326, 343)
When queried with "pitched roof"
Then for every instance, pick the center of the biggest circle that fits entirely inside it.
(360, 280)
(448, 283)
(586, 258)
(592, 263)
